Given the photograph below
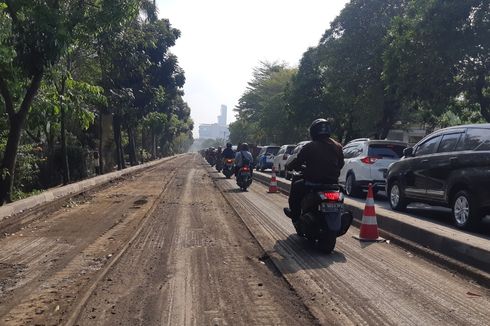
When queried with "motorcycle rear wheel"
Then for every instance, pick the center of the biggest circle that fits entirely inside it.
(327, 244)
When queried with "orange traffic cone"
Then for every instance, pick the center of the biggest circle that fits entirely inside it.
(369, 224)
(273, 183)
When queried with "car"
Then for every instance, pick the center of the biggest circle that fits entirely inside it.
(366, 162)
(265, 158)
(294, 154)
(281, 157)
(451, 168)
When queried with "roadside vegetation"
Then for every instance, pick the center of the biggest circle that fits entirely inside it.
(86, 87)
(382, 63)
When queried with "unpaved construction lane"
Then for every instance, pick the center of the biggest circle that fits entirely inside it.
(159, 248)
(359, 283)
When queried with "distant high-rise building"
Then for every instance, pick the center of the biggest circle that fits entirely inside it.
(216, 130)
(223, 116)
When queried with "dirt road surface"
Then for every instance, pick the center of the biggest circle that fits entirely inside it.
(178, 244)
(160, 248)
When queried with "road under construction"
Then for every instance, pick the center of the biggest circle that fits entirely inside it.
(176, 243)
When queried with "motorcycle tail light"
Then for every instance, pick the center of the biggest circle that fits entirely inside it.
(229, 161)
(332, 196)
(245, 168)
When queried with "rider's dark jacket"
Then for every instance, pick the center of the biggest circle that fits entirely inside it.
(323, 160)
(228, 153)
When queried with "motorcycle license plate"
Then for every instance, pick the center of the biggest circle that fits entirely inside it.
(245, 174)
(330, 207)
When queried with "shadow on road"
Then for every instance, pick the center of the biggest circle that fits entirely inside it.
(294, 254)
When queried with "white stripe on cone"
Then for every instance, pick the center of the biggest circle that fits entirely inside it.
(369, 220)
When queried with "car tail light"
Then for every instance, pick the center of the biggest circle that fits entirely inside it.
(369, 159)
(332, 196)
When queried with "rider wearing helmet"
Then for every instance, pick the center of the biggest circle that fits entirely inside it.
(228, 152)
(323, 159)
(243, 157)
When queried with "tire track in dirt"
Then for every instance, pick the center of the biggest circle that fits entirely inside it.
(193, 264)
(64, 251)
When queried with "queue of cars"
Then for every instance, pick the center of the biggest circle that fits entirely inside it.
(449, 167)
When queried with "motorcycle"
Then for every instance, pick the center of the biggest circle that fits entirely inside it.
(219, 164)
(228, 168)
(244, 177)
(323, 216)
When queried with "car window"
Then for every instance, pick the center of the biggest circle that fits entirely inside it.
(281, 151)
(262, 151)
(349, 151)
(289, 150)
(449, 142)
(272, 150)
(475, 139)
(386, 150)
(428, 147)
(357, 150)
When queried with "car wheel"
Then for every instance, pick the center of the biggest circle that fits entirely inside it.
(351, 187)
(396, 197)
(465, 210)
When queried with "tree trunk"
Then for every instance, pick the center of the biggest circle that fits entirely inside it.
(64, 153)
(153, 146)
(107, 142)
(118, 139)
(132, 148)
(7, 167)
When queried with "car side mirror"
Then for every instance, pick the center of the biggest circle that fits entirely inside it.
(407, 152)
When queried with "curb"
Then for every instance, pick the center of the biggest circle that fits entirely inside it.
(51, 195)
(422, 235)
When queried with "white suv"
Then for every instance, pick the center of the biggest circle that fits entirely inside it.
(281, 158)
(366, 161)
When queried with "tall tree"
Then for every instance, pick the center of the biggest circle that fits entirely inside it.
(39, 34)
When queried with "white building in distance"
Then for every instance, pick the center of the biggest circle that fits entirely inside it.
(216, 130)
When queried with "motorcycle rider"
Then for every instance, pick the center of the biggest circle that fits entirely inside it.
(228, 152)
(323, 158)
(243, 157)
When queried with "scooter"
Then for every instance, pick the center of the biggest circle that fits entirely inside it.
(244, 177)
(228, 167)
(323, 218)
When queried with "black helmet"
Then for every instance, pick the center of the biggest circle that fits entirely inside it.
(228, 145)
(320, 127)
(244, 147)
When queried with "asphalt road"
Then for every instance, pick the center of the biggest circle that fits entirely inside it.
(178, 244)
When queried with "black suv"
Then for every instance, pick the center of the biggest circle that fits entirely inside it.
(450, 167)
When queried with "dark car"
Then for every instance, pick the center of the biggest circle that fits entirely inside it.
(450, 167)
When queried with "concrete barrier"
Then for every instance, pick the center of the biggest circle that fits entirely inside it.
(70, 190)
(462, 247)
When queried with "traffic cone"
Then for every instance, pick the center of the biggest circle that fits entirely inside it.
(273, 183)
(369, 224)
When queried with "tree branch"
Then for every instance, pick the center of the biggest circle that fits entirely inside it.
(33, 137)
(7, 98)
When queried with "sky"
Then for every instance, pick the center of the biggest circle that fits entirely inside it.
(222, 41)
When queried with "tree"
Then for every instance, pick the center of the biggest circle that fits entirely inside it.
(439, 53)
(38, 34)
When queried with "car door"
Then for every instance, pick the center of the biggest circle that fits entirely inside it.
(417, 173)
(349, 151)
(277, 158)
(441, 164)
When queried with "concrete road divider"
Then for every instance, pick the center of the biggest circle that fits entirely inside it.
(458, 249)
(70, 190)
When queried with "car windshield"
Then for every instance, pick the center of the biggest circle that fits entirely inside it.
(394, 151)
(290, 149)
(272, 150)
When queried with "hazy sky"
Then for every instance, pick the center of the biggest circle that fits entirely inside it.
(223, 40)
